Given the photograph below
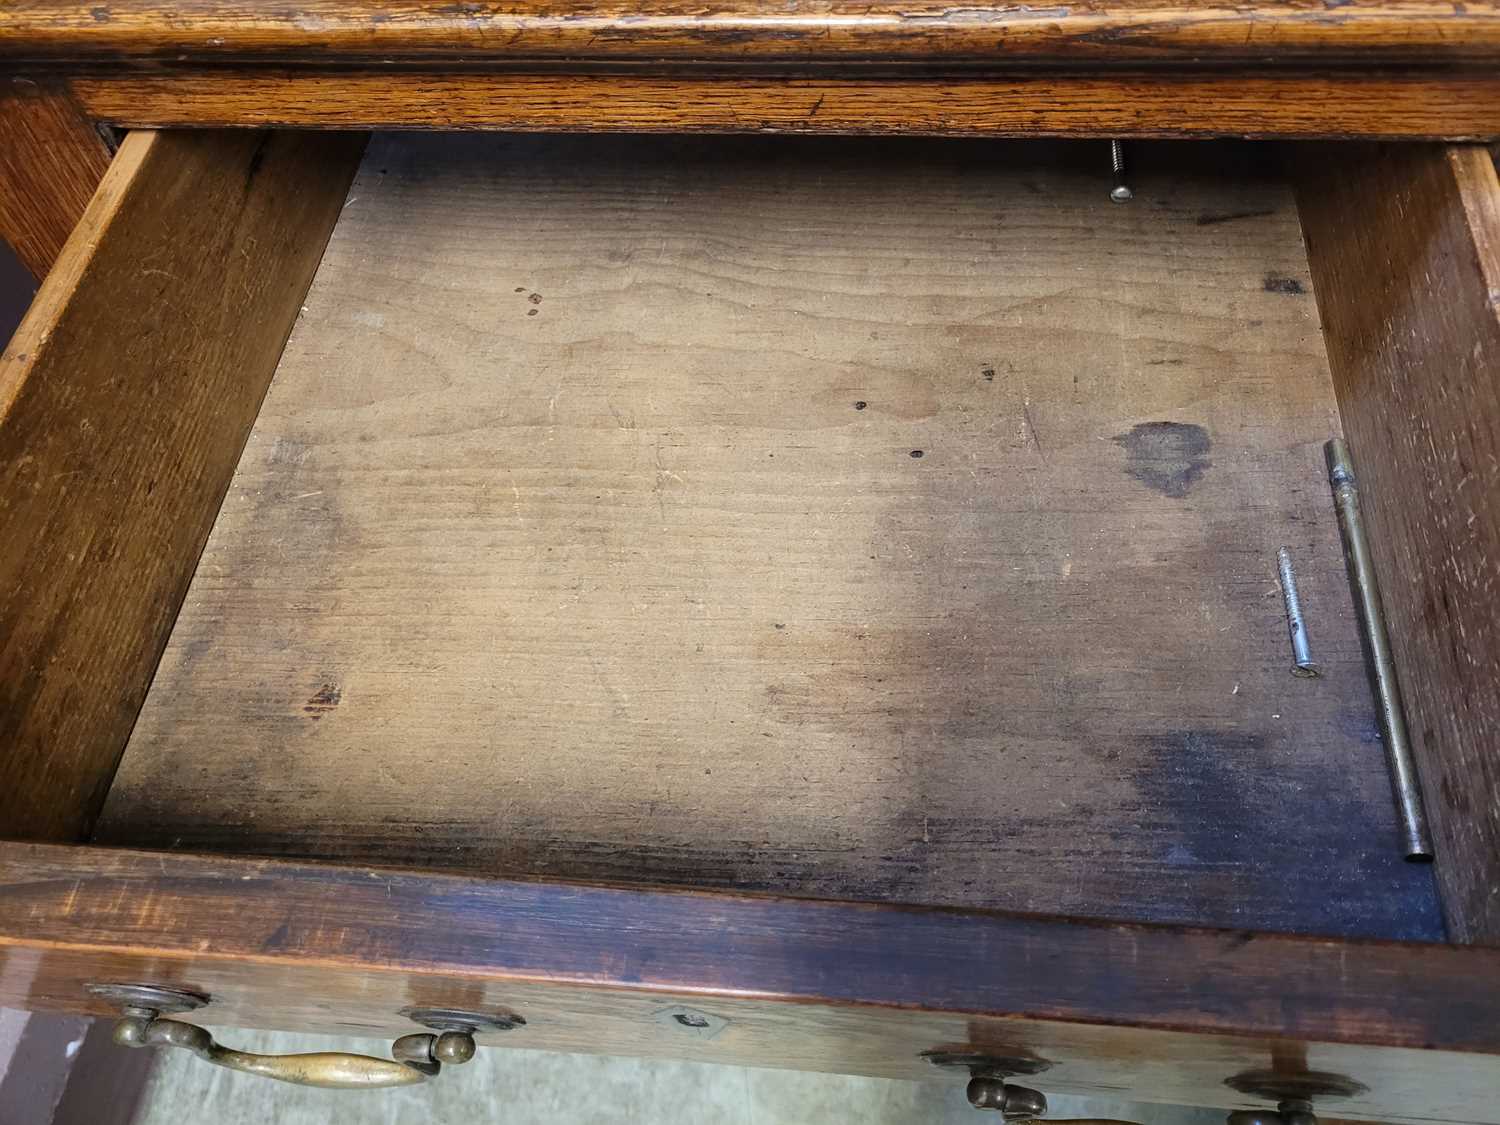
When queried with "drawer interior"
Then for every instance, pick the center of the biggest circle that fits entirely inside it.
(880, 519)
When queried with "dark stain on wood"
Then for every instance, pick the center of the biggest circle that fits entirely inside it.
(1288, 285)
(1213, 218)
(1213, 789)
(1168, 457)
(257, 158)
(324, 700)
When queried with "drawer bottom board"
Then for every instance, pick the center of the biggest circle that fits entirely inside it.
(884, 520)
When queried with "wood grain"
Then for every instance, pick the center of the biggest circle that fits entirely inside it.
(1368, 33)
(125, 396)
(1410, 298)
(1164, 1014)
(622, 510)
(1451, 104)
(51, 160)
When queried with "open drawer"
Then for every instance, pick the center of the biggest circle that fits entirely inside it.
(803, 602)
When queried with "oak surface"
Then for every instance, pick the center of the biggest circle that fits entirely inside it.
(125, 396)
(1449, 103)
(1410, 298)
(52, 157)
(1368, 33)
(886, 521)
(1162, 1013)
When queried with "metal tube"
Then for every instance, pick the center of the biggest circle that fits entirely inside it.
(1302, 662)
(1407, 789)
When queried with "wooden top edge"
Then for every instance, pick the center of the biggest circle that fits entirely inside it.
(1356, 32)
(1478, 179)
(973, 962)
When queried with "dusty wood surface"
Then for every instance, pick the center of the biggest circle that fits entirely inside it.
(125, 397)
(1410, 297)
(1452, 104)
(1368, 33)
(874, 521)
(51, 160)
(1163, 1013)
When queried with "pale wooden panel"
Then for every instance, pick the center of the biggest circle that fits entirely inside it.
(582, 534)
(125, 397)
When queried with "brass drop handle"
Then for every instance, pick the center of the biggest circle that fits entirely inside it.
(1015, 1103)
(1020, 1105)
(415, 1057)
(990, 1086)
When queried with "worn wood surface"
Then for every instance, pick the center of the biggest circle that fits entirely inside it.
(51, 159)
(1410, 299)
(1450, 104)
(1368, 33)
(125, 397)
(1165, 1014)
(622, 509)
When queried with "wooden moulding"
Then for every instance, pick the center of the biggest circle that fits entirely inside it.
(51, 160)
(1404, 245)
(812, 985)
(125, 397)
(1366, 32)
(1451, 104)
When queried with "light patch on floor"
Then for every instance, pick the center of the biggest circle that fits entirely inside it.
(520, 1087)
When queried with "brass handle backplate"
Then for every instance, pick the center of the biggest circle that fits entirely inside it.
(414, 1058)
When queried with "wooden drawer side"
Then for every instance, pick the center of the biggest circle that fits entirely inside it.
(125, 397)
(1404, 245)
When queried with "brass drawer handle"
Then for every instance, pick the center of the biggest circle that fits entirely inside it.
(416, 1057)
(989, 1089)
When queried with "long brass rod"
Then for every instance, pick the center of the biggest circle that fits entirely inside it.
(1415, 837)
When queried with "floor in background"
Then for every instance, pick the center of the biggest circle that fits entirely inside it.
(545, 1088)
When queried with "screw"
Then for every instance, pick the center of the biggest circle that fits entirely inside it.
(1121, 192)
(1302, 661)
